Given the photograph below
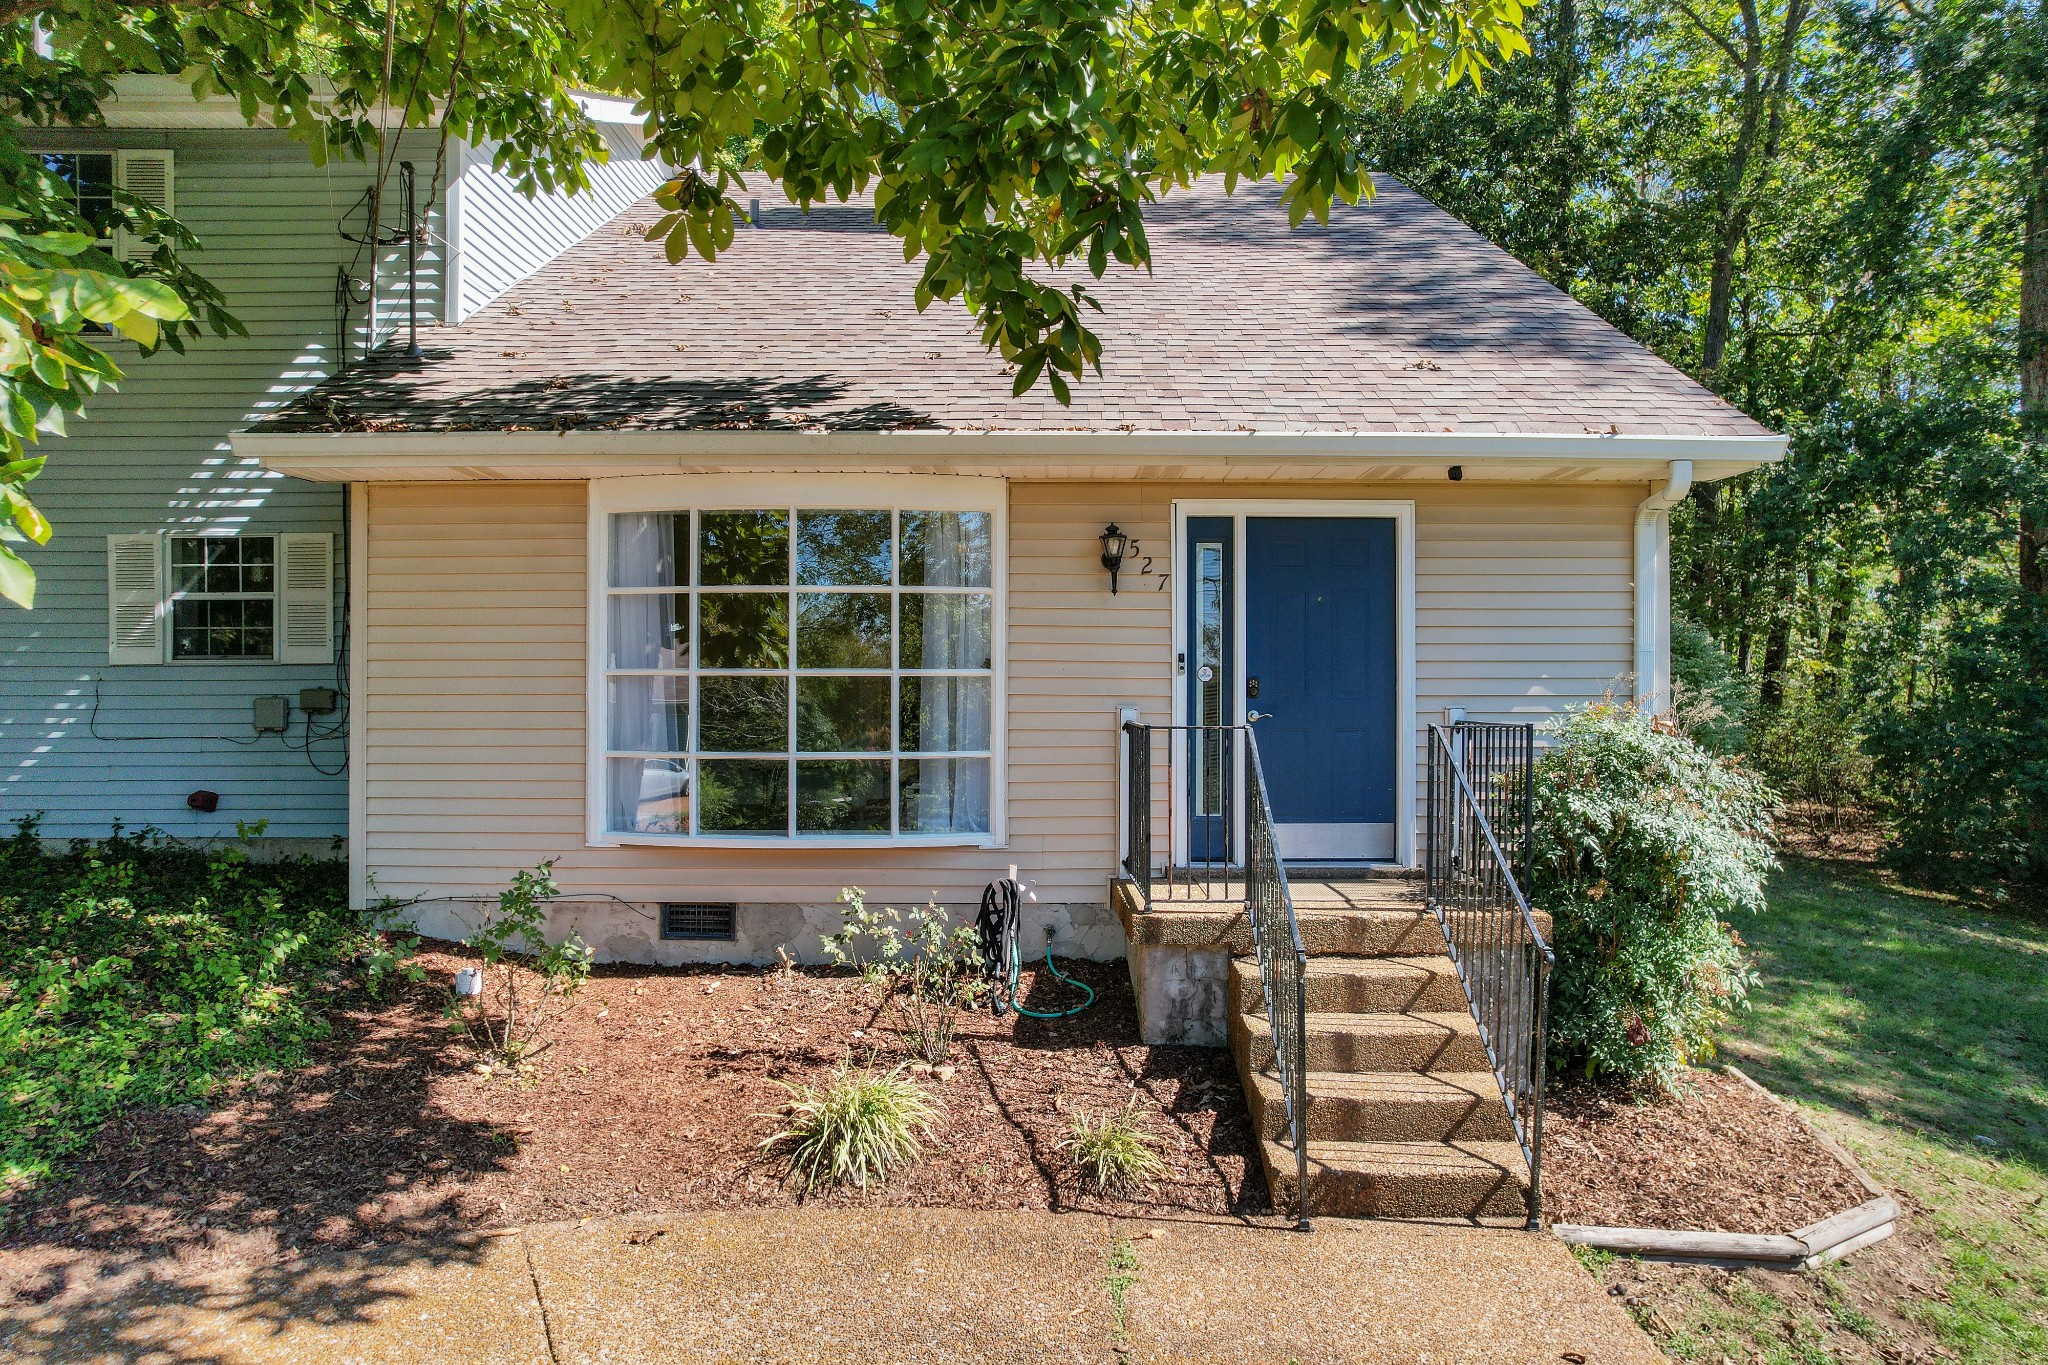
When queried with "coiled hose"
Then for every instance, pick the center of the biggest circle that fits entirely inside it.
(1002, 956)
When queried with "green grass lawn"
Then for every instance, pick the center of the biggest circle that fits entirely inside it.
(1914, 1029)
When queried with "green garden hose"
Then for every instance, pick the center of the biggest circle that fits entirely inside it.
(1001, 917)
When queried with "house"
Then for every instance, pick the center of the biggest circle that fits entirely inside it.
(727, 586)
(185, 667)
(731, 585)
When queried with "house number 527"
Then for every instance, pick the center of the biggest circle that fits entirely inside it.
(1145, 564)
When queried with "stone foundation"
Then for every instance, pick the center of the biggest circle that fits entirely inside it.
(1181, 994)
(621, 931)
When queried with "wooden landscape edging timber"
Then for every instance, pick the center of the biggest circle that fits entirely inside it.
(1801, 1249)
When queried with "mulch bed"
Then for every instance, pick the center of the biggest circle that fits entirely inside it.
(656, 1096)
(1717, 1158)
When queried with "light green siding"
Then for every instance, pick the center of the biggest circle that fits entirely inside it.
(86, 743)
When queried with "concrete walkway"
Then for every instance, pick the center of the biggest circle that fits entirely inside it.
(884, 1285)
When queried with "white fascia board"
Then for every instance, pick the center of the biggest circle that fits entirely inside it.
(144, 101)
(151, 101)
(602, 108)
(400, 455)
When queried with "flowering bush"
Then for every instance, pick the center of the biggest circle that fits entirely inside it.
(1645, 845)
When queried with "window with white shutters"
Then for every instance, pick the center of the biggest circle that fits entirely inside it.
(147, 175)
(92, 178)
(249, 597)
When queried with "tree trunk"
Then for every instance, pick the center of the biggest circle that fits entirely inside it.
(1706, 530)
(2033, 541)
(1749, 161)
(1770, 690)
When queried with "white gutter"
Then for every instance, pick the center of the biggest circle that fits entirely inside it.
(1653, 589)
(544, 454)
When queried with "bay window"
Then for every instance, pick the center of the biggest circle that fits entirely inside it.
(793, 672)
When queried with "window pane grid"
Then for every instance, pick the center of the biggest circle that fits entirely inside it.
(223, 597)
(926, 774)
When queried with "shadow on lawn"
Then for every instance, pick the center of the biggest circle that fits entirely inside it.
(346, 1152)
(1903, 1009)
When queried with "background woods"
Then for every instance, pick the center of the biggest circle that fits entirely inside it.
(1835, 215)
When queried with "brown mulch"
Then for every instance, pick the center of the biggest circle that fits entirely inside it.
(1845, 834)
(1718, 1158)
(655, 1096)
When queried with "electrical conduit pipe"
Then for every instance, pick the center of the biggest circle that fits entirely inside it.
(1653, 589)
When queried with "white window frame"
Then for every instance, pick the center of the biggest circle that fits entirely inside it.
(826, 492)
(172, 596)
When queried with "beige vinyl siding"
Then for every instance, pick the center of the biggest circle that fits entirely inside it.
(474, 677)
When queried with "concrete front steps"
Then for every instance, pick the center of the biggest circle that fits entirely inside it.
(1405, 1118)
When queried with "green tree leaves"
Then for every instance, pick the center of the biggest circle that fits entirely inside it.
(53, 286)
(1009, 143)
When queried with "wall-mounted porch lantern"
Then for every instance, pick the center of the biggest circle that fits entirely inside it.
(1114, 543)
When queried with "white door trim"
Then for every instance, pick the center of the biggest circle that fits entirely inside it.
(1402, 513)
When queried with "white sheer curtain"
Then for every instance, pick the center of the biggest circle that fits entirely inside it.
(956, 634)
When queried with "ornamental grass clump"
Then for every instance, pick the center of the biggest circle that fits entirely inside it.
(854, 1129)
(1646, 846)
(1113, 1153)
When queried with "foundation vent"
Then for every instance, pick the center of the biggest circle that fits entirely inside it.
(695, 920)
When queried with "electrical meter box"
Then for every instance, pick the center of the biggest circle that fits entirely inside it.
(271, 713)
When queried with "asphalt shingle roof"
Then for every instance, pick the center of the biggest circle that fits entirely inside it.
(1394, 318)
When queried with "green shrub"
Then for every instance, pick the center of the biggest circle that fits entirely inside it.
(1709, 696)
(1113, 1153)
(930, 967)
(1811, 748)
(854, 1129)
(1645, 844)
(526, 979)
(135, 971)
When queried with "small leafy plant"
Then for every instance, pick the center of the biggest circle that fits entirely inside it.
(1113, 1153)
(135, 970)
(854, 1129)
(508, 1021)
(930, 968)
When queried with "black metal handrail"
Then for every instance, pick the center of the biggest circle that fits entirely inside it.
(1219, 849)
(1283, 963)
(1477, 773)
(1188, 776)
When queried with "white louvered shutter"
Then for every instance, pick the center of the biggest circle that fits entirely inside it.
(146, 174)
(305, 599)
(135, 599)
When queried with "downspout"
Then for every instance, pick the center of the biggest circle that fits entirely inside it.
(1653, 590)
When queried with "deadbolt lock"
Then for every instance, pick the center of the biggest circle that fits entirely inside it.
(1251, 687)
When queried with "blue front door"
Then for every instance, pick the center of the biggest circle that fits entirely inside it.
(1320, 671)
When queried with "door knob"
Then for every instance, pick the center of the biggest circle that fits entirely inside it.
(1254, 717)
